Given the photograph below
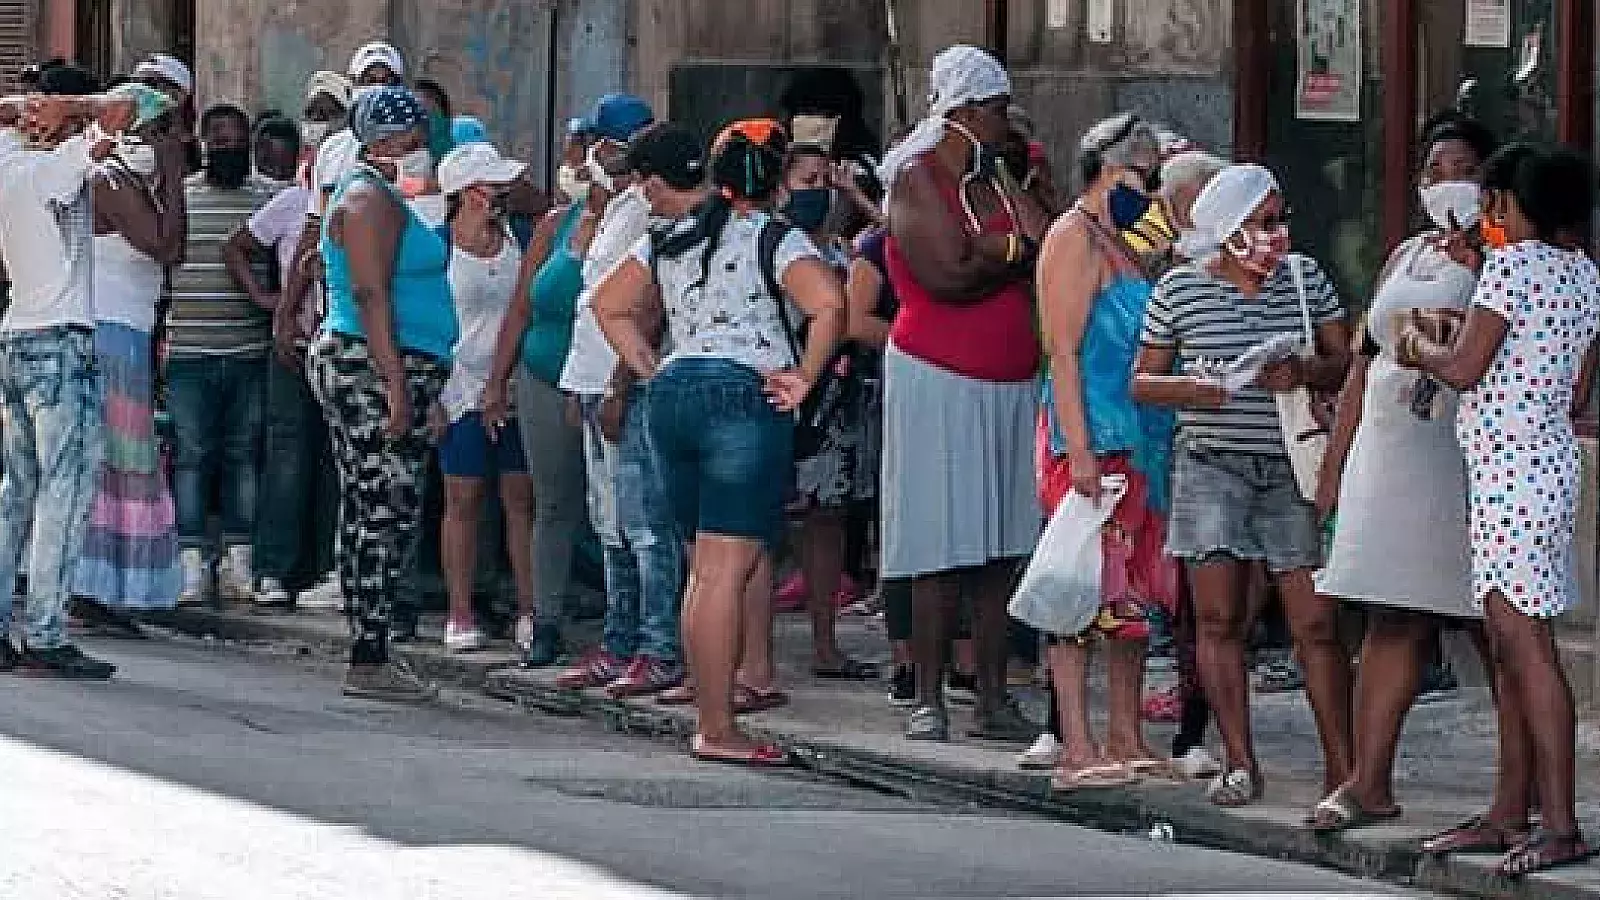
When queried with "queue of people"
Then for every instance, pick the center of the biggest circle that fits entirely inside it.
(699, 347)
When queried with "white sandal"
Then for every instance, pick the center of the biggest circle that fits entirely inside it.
(1234, 789)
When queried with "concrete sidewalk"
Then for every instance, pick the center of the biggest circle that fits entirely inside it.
(1444, 775)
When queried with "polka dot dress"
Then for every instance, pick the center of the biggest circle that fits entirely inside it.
(1516, 429)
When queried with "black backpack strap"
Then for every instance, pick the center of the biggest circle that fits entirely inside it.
(767, 243)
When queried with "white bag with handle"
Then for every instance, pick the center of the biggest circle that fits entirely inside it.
(1303, 436)
(1060, 592)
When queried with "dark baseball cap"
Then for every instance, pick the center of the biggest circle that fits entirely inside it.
(618, 117)
(670, 152)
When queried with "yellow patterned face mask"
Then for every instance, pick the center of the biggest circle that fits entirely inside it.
(1152, 234)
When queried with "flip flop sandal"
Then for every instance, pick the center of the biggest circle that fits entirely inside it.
(1339, 811)
(1543, 851)
(850, 670)
(748, 700)
(1234, 789)
(1092, 777)
(682, 695)
(1475, 835)
(1159, 769)
(765, 756)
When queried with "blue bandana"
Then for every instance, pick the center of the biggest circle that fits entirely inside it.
(385, 112)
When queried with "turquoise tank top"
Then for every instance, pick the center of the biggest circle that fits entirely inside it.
(1116, 423)
(555, 291)
(424, 314)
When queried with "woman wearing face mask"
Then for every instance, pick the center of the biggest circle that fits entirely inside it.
(1394, 472)
(129, 560)
(485, 272)
(837, 473)
(377, 368)
(326, 111)
(1234, 494)
(1093, 292)
(959, 504)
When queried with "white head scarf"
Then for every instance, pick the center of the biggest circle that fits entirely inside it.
(961, 75)
(1227, 200)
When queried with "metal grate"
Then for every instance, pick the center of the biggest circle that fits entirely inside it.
(16, 42)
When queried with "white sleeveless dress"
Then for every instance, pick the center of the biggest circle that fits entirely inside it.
(1401, 534)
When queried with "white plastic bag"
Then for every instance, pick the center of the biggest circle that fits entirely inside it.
(1060, 592)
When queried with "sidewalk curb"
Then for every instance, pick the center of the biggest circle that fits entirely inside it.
(1135, 810)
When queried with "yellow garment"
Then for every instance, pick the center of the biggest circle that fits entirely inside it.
(1153, 233)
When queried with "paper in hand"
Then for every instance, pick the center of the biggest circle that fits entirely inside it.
(1244, 370)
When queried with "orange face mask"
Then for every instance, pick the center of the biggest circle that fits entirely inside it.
(1494, 234)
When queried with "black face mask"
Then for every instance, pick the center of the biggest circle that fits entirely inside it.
(228, 167)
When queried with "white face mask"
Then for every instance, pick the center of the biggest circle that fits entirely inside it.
(568, 182)
(597, 172)
(267, 181)
(139, 156)
(1463, 199)
(412, 171)
(312, 134)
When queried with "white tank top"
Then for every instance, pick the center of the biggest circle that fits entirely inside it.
(482, 291)
(127, 283)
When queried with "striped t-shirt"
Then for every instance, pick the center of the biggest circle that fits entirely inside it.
(1209, 322)
(211, 315)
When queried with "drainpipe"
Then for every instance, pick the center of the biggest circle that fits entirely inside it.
(553, 132)
(1575, 23)
(1399, 117)
(1251, 72)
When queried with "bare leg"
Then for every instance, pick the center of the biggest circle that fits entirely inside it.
(463, 498)
(755, 654)
(713, 625)
(1069, 670)
(990, 589)
(822, 559)
(1388, 681)
(1526, 651)
(1314, 623)
(933, 612)
(1124, 692)
(1219, 654)
(516, 498)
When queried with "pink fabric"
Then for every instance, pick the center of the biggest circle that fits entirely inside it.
(132, 518)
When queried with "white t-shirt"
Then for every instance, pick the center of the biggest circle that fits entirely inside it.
(280, 225)
(590, 360)
(731, 315)
(46, 233)
(482, 289)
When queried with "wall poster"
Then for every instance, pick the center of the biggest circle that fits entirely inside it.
(1328, 67)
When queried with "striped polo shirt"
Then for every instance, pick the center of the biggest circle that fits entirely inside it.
(1209, 322)
(210, 314)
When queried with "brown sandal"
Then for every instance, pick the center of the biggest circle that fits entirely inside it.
(747, 699)
(1475, 835)
(1544, 850)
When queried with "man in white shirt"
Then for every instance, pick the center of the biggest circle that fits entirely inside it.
(53, 433)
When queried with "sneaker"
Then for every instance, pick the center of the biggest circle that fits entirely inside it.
(644, 676)
(522, 634)
(464, 638)
(271, 592)
(544, 647)
(1438, 684)
(1008, 724)
(236, 577)
(962, 688)
(8, 655)
(1197, 764)
(65, 661)
(903, 686)
(391, 682)
(326, 596)
(593, 669)
(1044, 754)
(195, 574)
(403, 623)
(792, 594)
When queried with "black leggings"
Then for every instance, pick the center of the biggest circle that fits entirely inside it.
(897, 612)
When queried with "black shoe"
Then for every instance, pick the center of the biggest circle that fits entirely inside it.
(65, 661)
(903, 686)
(403, 624)
(8, 656)
(1438, 683)
(544, 649)
(961, 687)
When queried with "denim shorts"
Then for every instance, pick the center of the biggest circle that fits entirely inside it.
(467, 451)
(1243, 505)
(726, 456)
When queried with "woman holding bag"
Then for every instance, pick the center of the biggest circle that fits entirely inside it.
(1235, 497)
(1092, 296)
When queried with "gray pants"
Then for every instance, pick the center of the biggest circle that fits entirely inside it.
(554, 447)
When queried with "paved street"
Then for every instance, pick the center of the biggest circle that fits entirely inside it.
(204, 773)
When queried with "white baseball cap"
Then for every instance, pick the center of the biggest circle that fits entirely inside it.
(377, 53)
(167, 68)
(471, 164)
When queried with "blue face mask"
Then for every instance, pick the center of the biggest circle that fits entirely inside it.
(1128, 206)
(807, 209)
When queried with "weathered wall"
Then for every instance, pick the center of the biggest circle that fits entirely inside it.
(140, 28)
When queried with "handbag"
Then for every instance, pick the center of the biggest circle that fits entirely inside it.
(1304, 437)
(1059, 594)
(832, 389)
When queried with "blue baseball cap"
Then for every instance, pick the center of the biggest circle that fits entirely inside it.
(468, 130)
(618, 117)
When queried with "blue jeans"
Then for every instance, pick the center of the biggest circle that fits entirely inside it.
(643, 552)
(216, 406)
(54, 441)
(299, 486)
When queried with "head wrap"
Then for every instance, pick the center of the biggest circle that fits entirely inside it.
(468, 130)
(167, 68)
(1227, 200)
(377, 53)
(333, 84)
(384, 113)
(150, 104)
(961, 75)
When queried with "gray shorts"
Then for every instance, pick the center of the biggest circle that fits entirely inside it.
(1243, 505)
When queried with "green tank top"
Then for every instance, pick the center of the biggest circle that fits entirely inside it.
(555, 291)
